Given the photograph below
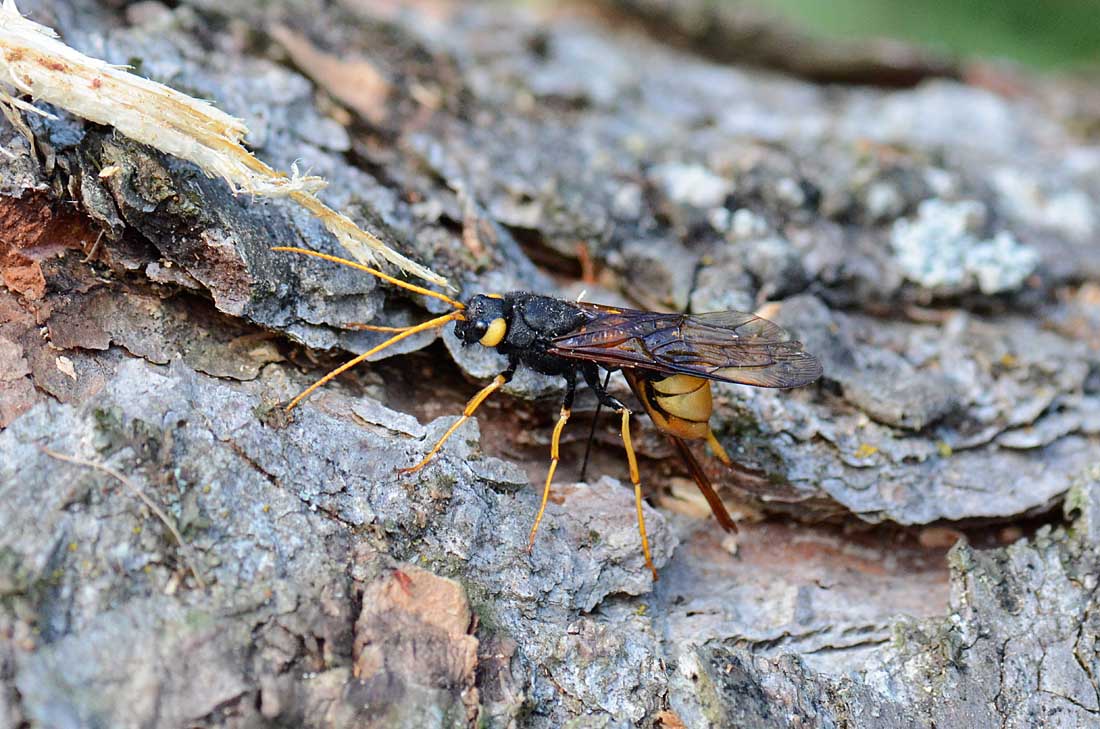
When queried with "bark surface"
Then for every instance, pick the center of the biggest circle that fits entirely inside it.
(176, 551)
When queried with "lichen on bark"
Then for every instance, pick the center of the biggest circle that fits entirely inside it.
(147, 326)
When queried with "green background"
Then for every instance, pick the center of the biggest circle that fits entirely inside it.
(1048, 34)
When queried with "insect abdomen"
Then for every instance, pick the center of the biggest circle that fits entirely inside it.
(679, 405)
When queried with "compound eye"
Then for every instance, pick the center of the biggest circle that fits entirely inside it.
(494, 335)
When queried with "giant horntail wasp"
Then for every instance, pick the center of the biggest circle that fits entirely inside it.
(669, 361)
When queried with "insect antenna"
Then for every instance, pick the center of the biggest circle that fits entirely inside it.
(375, 328)
(408, 332)
(399, 332)
(374, 272)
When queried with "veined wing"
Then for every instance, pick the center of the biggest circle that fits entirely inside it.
(729, 346)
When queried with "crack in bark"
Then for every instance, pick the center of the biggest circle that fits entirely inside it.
(1090, 603)
(1001, 684)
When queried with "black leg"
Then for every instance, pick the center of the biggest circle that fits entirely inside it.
(592, 378)
(570, 389)
(592, 430)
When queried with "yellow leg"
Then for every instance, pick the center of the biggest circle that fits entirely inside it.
(719, 451)
(430, 324)
(473, 405)
(637, 481)
(562, 420)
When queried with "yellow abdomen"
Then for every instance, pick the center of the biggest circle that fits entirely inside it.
(679, 405)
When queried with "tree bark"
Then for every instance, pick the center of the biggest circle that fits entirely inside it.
(176, 550)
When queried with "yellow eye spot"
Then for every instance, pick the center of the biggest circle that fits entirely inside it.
(493, 337)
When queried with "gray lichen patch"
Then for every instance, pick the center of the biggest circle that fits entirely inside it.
(942, 251)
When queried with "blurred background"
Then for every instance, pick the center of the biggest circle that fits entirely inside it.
(1046, 34)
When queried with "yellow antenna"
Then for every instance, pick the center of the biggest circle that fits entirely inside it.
(430, 324)
(401, 332)
(376, 273)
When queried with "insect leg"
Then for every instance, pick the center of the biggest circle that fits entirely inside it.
(592, 377)
(637, 481)
(563, 418)
(474, 403)
(592, 430)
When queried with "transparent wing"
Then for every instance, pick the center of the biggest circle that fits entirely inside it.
(730, 346)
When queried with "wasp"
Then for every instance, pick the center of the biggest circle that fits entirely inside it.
(669, 361)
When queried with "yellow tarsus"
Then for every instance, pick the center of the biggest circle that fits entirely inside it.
(471, 407)
(562, 420)
(430, 324)
(635, 479)
(373, 272)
